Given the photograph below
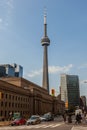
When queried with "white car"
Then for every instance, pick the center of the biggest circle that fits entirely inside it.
(34, 119)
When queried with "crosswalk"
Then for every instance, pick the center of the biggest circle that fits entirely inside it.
(44, 126)
(79, 128)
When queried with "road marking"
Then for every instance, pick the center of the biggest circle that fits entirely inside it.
(31, 126)
(47, 126)
(79, 128)
(56, 125)
(72, 128)
(39, 126)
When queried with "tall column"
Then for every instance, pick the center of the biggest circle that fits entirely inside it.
(45, 43)
(45, 70)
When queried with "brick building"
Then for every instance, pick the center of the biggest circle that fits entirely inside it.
(21, 95)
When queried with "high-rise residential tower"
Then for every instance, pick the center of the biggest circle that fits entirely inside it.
(69, 89)
(45, 43)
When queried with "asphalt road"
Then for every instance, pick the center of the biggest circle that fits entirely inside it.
(57, 124)
(42, 126)
(46, 126)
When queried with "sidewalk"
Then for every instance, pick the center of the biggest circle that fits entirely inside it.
(79, 128)
(4, 123)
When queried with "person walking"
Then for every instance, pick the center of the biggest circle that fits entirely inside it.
(78, 118)
(69, 119)
(84, 117)
(64, 117)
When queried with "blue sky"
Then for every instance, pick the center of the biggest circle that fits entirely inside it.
(21, 30)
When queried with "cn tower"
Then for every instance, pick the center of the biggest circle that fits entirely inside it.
(45, 43)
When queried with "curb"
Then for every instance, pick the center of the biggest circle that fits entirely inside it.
(5, 123)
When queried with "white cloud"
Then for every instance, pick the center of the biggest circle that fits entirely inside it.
(1, 20)
(83, 81)
(57, 69)
(1, 23)
(10, 3)
(52, 70)
(6, 7)
(82, 66)
(35, 73)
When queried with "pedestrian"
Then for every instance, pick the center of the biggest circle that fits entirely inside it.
(84, 117)
(64, 117)
(78, 118)
(10, 115)
(69, 119)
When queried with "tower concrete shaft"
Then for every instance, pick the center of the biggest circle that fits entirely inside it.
(45, 42)
(45, 69)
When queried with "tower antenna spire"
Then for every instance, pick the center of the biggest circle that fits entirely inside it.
(45, 15)
(45, 11)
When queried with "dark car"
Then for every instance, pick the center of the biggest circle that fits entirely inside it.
(47, 117)
(34, 119)
(18, 121)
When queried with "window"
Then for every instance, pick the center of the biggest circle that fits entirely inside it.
(9, 96)
(5, 104)
(9, 104)
(1, 113)
(16, 98)
(6, 96)
(1, 95)
(1, 104)
(13, 97)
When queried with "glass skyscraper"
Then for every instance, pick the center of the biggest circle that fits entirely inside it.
(69, 89)
(14, 70)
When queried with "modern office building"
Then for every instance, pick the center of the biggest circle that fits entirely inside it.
(14, 70)
(69, 89)
(2, 71)
(18, 70)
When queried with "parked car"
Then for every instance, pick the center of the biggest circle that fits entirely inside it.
(34, 119)
(18, 121)
(43, 118)
(47, 117)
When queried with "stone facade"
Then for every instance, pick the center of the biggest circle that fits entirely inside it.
(21, 95)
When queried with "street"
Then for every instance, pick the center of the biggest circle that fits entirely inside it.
(47, 126)
(57, 124)
(53, 126)
(42, 126)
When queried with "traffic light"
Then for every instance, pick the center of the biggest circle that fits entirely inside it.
(53, 92)
(66, 104)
